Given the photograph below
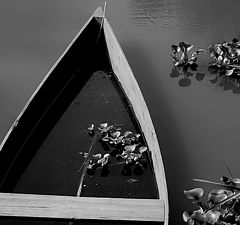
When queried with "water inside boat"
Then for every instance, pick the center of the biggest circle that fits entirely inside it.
(56, 166)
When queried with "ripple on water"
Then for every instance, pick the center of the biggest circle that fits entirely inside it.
(165, 14)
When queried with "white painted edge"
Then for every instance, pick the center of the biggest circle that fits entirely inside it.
(156, 153)
(67, 207)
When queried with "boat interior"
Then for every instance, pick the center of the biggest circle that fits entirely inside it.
(46, 149)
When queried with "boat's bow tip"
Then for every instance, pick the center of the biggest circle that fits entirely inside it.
(98, 12)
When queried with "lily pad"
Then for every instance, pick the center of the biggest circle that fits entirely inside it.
(91, 127)
(127, 133)
(194, 194)
(97, 156)
(186, 216)
(116, 134)
(103, 125)
(104, 160)
(212, 216)
(130, 148)
(142, 149)
(175, 49)
(185, 47)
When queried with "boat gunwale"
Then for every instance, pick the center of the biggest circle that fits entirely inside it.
(140, 116)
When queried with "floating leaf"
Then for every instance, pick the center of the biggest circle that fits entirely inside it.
(137, 135)
(226, 60)
(212, 216)
(104, 160)
(185, 47)
(106, 155)
(85, 155)
(211, 49)
(97, 156)
(103, 125)
(191, 222)
(194, 194)
(184, 57)
(237, 51)
(186, 216)
(116, 134)
(127, 133)
(130, 148)
(127, 154)
(91, 130)
(216, 196)
(199, 216)
(236, 180)
(104, 128)
(142, 149)
(174, 58)
(229, 72)
(175, 49)
(91, 127)
(178, 64)
(220, 59)
(105, 139)
(90, 166)
(200, 50)
(193, 59)
(136, 157)
(119, 139)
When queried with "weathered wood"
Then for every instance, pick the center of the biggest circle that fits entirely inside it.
(130, 86)
(64, 207)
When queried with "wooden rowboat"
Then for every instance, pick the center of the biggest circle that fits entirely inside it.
(46, 158)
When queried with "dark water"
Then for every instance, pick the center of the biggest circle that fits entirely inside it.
(197, 121)
(58, 167)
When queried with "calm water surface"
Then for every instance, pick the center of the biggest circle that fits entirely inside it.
(196, 119)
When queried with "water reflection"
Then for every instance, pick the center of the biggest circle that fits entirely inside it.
(185, 76)
(225, 83)
(167, 14)
(199, 76)
(222, 82)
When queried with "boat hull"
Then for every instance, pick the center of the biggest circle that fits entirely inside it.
(46, 106)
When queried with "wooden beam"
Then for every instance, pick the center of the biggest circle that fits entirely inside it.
(130, 86)
(66, 207)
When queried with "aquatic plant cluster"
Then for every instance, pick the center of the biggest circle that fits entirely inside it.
(222, 206)
(182, 58)
(225, 58)
(125, 147)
